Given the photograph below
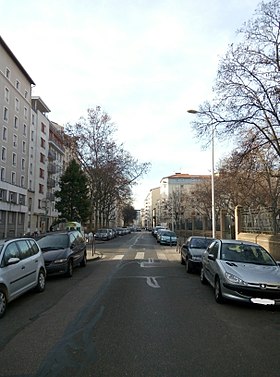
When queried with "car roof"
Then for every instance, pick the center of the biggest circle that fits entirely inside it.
(238, 242)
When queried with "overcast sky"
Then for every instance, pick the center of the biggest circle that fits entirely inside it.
(145, 62)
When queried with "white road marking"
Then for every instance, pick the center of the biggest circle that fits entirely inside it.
(140, 255)
(118, 257)
(152, 282)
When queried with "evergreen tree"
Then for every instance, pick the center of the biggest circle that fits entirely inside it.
(73, 200)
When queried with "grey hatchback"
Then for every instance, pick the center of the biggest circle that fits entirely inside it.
(62, 251)
(242, 271)
(21, 269)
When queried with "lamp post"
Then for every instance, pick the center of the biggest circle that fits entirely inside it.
(212, 174)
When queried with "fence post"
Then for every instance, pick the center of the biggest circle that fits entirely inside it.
(223, 223)
(238, 220)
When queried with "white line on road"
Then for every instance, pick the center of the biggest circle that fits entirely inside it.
(152, 282)
(140, 255)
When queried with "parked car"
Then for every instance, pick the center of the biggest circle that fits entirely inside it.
(103, 234)
(22, 268)
(192, 250)
(167, 237)
(62, 251)
(155, 230)
(242, 271)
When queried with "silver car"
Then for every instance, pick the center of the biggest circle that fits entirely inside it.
(242, 271)
(22, 268)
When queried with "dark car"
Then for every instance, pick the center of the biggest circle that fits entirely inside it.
(62, 251)
(192, 250)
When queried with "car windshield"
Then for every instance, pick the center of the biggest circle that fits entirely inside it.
(246, 254)
(53, 242)
(200, 243)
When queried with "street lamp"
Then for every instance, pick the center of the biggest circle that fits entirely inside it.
(212, 175)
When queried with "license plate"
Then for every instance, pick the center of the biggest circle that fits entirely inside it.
(263, 301)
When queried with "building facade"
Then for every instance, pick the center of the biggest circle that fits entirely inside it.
(32, 153)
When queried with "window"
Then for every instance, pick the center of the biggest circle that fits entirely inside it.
(42, 158)
(42, 173)
(22, 164)
(3, 174)
(41, 189)
(31, 169)
(21, 199)
(7, 95)
(24, 130)
(25, 112)
(43, 128)
(23, 147)
(25, 94)
(3, 154)
(22, 180)
(16, 122)
(14, 159)
(15, 140)
(6, 114)
(17, 105)
(17, 85)
(4, 133)
(13, 177)
(32, 135)
(33, 119)
(8, 73)
(31, 152)
(43, 143)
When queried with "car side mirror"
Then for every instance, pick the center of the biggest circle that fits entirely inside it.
(211, 257)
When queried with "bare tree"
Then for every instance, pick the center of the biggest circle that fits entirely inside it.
(247, 89)
(112, 171)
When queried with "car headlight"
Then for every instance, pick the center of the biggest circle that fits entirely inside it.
(234, 279)
(63, 260)
(196, 258)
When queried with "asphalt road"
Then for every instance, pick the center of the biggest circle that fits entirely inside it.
(136, 312)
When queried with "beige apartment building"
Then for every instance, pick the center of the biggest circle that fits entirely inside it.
(32, 153)
(166, 204)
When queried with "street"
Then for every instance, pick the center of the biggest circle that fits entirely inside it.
(136, 312)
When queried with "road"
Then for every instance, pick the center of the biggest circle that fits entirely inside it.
(136, 312)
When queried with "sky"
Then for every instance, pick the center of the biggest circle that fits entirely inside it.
(145, 62)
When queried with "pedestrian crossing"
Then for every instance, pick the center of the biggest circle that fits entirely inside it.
(142, 256)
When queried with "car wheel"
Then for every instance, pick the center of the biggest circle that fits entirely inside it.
(69, 271)
(202, 277)
(3, 302)
(218, 293)
(182, 260)
(41, 283)
(83, 263)
(189, 267)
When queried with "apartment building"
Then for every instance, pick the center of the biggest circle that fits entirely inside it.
(171, 202)
(15, 113)
(32, 153)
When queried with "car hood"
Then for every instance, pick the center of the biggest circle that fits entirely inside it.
(50, 255)
(253, 273)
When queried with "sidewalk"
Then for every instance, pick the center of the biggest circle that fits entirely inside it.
(93, 254)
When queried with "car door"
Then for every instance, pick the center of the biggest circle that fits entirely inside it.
(15, 275)
(210, 265)
(76, 247)
(29, 262)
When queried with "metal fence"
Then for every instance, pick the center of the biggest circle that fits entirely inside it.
(260, 220)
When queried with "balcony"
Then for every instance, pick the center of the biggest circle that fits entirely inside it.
(50, 183)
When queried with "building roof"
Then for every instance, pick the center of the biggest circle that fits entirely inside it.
(39, 104)
(11, 54)
(184, 176)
